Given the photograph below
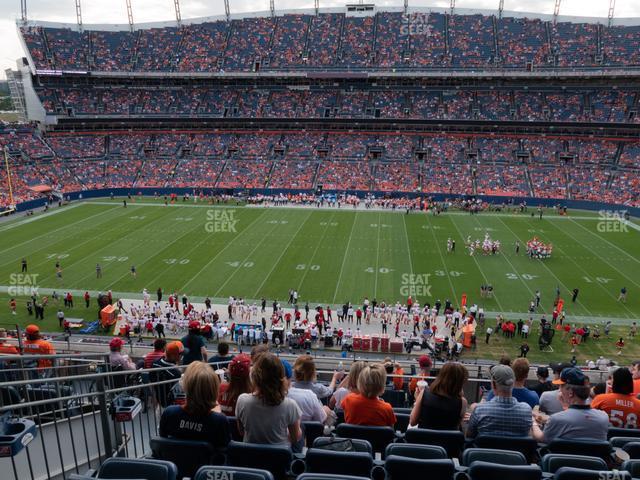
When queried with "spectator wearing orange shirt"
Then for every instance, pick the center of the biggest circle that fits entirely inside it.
(365, 407)
(35, 345)
(6, 348)
(635, 370)
(621, 406)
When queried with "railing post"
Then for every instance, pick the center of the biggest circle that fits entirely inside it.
(104, 417)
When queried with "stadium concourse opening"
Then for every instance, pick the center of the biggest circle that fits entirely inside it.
(355, 242)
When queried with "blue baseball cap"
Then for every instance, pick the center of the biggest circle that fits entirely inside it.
(288, 370)
(572, 376)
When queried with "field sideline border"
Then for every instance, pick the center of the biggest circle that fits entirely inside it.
(346, 208)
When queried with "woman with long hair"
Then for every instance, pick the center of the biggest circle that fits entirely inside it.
(348, 385)
(266, 415)
(199, 417)
(443, 405)
(239, 383)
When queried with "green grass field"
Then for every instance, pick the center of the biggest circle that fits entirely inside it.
(329, 256)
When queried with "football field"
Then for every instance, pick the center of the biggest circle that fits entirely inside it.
(329, 256)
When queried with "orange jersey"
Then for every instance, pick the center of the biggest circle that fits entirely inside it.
(636, 387)
(8, 349)
(623, 410)
(38, 347)
(398, 382)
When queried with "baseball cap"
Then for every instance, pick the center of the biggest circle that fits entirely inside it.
(194, 325)
(116, 342)
(288, 370)
(503, 375)
(572, 376)
(32, 329)
(558, 367)
(425, 361)
(240, 365)
(174, 348)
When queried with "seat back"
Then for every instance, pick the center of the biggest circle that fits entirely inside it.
(414, 450)
(554, 461)
(209, 472)
(593, 448)
(451, 440)
(233, 429)
(622, 432)
(526, 445)
(274, 458)
(144, 469)
(402, 422)
(379, 437)
(491, 471)
(620, 442)
(359, 445)
(633, 467)
(502, 457)
(328, 476)
(338, 463)
(312, 430)
(568, 473)
(397, 398)
(187, 455)
(405, 467)
(633, 449)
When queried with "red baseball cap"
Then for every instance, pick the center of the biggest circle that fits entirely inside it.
(194, 325)
(116, 342)
(425, 361)
(174, 348)
(240, 365)
(32, 329)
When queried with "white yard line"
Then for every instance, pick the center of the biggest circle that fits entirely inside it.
(375, 287)
(560, 282)
(206, 265)
(444, 265)
(478, 265)
(406, 236)
(607, 241)
(275, 264)
(315, 252)
(344, 258)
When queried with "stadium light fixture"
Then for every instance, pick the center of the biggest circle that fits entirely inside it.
(130, 15)
(23, 10)
(272, 7)
(612, 7)
(176, 4)
(406, 6)
(317, 5)
(453, 6)
(79, 14)
(500, 9)
(556, 12)
(227, 10)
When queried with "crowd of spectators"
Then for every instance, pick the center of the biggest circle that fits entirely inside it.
(385, 40)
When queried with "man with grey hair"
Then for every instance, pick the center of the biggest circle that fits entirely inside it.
(503, 415)
(579, 420)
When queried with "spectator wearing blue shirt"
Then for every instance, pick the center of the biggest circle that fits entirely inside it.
(520, 392)
(503, 415)
(194, 346)
(199, 418)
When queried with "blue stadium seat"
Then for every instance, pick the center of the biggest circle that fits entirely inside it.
(358, 444)
(553, 461)
(503, 457)
(568, 473)
(210, 472)
(402, 422)
(526, 445)
(274, 458)
(379, 437)
(451, 440)
(187, 455)
(492, 471)
(338, 463)
(398, 410)
(622, 432)
(620, 442)
(592, 448)
(143, 469)
(233, 429)
(312, 430)
(414, 450)
(397, 398)
(633, 449)
(633, 467)
(405, 467)
(328, 476)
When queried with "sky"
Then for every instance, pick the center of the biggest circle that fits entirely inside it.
(114, 11)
